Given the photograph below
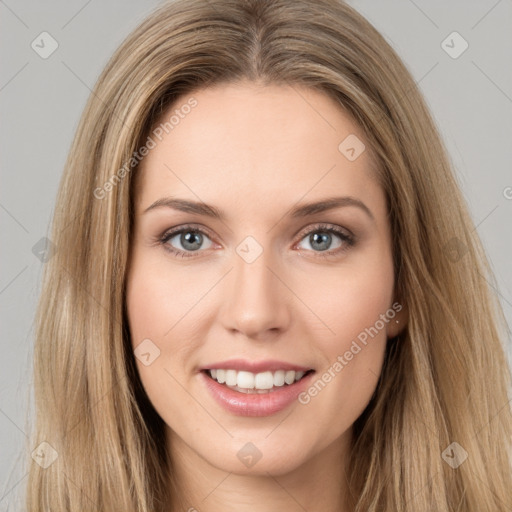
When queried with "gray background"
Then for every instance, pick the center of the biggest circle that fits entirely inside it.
(41, 101)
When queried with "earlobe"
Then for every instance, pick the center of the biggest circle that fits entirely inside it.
(398, 324)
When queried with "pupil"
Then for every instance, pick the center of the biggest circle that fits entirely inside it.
(323, 240)
(190, 238)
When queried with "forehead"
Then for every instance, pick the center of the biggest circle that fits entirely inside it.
(240, 142)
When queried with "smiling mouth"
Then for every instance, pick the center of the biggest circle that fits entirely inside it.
(256, 383)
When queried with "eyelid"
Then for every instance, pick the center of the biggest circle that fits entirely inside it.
(183, 227)
(327, 226)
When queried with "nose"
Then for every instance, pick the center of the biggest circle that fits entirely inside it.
(257, 302)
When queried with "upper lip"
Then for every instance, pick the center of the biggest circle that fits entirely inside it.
(268, 365)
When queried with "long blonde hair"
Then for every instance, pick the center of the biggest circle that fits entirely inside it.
(445, 378)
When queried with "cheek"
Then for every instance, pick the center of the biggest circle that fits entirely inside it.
(351, 299)
(164, 305)
(356, 305)
(159, 301)
(154, 309)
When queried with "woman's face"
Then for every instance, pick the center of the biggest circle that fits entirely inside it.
(231, 272)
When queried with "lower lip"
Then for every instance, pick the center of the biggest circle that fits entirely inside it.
(245, 404)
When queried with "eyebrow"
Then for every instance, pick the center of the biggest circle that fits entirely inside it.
(304, 210)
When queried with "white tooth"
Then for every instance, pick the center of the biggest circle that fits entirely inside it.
(279, 378)
(289, 377)
(245, 380)
(259, 382)
(264, 380)
(231, 377)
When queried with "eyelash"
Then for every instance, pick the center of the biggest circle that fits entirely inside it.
(348, 240)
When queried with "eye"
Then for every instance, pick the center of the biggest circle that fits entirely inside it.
(189, 239)
(328, 239)
(186, 241)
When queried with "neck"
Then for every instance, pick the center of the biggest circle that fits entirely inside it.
(318, 484)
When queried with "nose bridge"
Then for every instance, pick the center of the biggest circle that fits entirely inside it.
(256, 297)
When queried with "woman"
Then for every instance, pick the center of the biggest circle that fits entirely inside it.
(268, 293)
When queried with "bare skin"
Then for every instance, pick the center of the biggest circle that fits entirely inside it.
(255, 153)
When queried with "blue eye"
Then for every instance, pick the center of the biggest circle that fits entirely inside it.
(190, 240)
(321, 239)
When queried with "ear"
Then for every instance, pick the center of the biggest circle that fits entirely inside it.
(397, 324)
